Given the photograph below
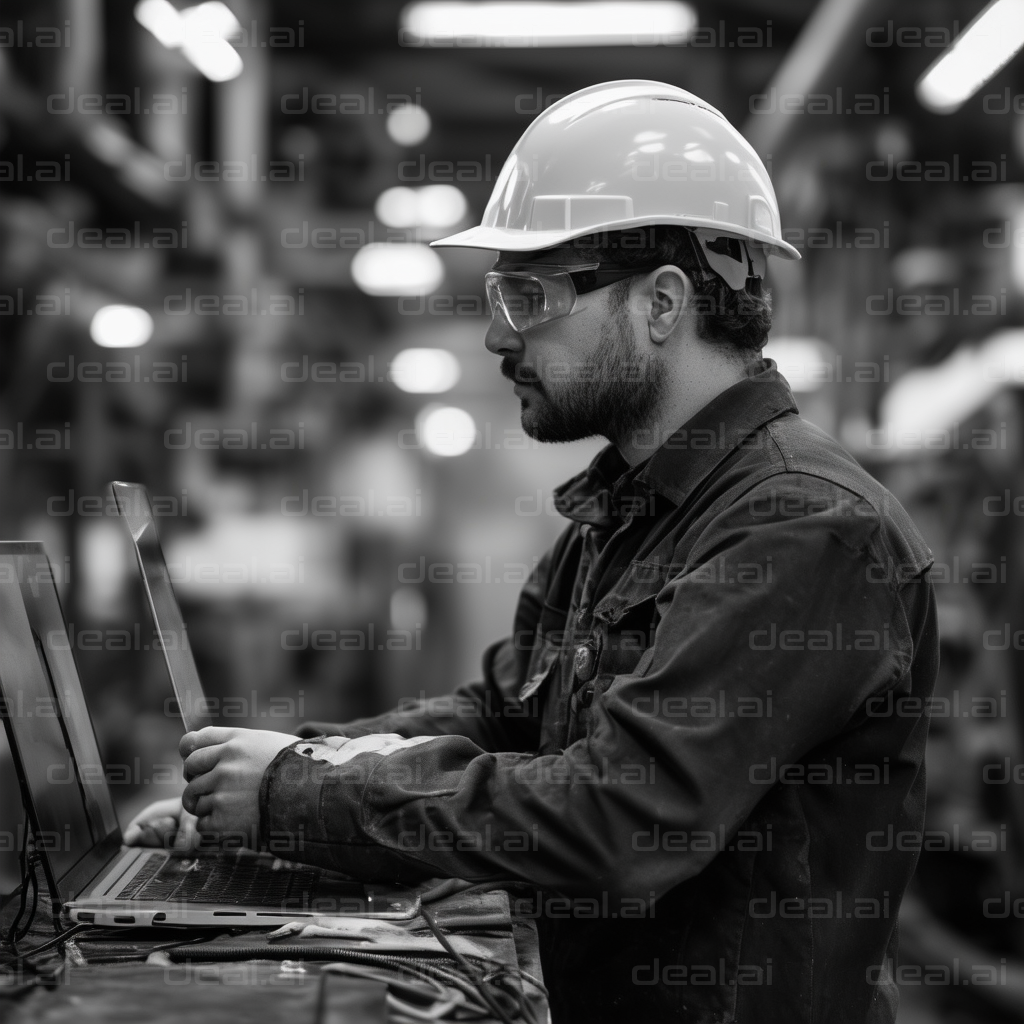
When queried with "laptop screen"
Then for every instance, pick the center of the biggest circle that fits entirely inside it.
(137, 514)
(47, 719)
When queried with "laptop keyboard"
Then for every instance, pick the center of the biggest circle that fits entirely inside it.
(223, 880)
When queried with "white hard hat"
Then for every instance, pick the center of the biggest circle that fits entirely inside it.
(629, 154)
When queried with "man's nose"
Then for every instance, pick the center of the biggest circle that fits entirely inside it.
(501, 339)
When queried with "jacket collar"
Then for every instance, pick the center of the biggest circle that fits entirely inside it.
(609, 489)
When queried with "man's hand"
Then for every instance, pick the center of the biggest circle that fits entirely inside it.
(225, 767)
(163, 823)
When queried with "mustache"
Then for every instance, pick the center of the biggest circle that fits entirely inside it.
(521, 373)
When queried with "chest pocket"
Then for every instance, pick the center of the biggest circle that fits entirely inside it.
(544, 659)
(542, 668)
(627, 624)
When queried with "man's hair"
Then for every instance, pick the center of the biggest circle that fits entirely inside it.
(739, 320)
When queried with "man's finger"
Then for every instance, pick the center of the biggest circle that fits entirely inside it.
(188, 834)
(205, 737)
(202, 760)
(157, 832)
(138, 835)
(201, 785)
(204, 830)
(205, 806)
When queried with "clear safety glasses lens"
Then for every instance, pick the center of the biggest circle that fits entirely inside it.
(528, 297)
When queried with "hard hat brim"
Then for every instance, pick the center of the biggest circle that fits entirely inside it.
(521, 240)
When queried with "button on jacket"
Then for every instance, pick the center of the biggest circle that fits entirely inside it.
(695, 746)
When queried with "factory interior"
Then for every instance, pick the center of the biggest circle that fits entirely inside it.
(216, 280)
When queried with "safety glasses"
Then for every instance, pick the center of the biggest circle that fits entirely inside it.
(528, 294)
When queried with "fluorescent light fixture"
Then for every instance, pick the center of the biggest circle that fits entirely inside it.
(408, 124)
(604, 23)
(397, 207)
(121, 327)
(208, 27)
(440, 206)
(397, 268)
(435, 206)
(804, 362)
(163, 20)
(213, 19)
(422, 371)
(978, 53)
(928, 400)
(201, 33)
(446, 430)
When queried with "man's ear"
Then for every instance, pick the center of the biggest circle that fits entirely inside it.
(670, 291)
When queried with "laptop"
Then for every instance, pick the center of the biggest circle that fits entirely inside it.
(136, 512)
(90, 873)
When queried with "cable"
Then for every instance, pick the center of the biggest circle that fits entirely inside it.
(28, 858)
(436, 967)
(55, 941)
(121, 958)
(34, 882)
(26, 863)
(479, 980)
(462, 887)
(39, 976)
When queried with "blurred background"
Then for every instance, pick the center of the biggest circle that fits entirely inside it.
(215, 280)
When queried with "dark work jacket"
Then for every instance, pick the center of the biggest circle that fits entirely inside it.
(697, 744)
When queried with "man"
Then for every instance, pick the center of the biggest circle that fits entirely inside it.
(688, 743)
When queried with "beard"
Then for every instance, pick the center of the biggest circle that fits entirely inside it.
(614, 394)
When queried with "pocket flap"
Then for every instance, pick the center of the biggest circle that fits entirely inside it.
(640, 583)
(616, 606)
(545, 669)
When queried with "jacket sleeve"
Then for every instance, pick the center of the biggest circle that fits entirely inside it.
(791, 650)
(487, 711)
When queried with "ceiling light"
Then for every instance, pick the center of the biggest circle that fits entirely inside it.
(440, 206)
(435, 206)
(208, 27)
(408, 124)
(397, 207)
(446, 430)
(978, 53)
(121, 327)
(640, 23)
(425, 370)
(397, 268)
(201, 33)
(163, 20)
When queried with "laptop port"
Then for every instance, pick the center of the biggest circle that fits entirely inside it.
(229, 913)
(125, 919)
(86, 917)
